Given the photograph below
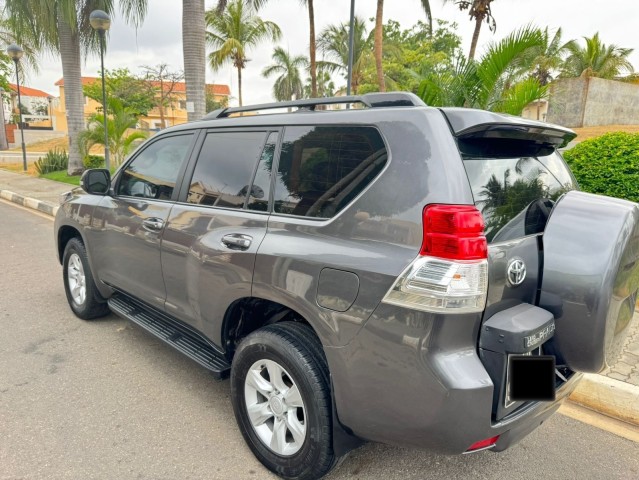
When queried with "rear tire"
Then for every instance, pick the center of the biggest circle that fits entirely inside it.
(280, 373)
(82, 294)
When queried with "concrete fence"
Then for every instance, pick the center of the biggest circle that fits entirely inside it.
(587, 102)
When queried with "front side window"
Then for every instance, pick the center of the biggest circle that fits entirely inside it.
(225, 168)
(153, 173)
(322, 169)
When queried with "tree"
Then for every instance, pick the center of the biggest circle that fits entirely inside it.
(547, 57)
(121, 142)
(478, 11)
(379, 36)
(213, 104)
(498, 81)
(134, 92)
(596, 59)
(62, 27)
(194, 50)
(233, 33)
(162, 82)
(289, 81)
(410, 55)
(325, 84)
(333, 41)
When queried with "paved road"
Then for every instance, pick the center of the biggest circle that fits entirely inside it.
(105, 400)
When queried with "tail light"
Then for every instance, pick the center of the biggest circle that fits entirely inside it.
(451, 273)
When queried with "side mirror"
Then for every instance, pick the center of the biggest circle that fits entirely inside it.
(96, 181)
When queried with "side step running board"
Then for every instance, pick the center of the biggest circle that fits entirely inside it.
(179, 337)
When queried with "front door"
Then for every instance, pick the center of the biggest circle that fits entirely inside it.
(214, 231)
(127, 247)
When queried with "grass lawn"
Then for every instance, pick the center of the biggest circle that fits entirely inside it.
(61, 176)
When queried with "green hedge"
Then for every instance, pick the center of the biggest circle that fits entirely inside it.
(607, 165)
(93, 161)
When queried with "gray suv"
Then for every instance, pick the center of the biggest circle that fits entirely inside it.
(393, 272)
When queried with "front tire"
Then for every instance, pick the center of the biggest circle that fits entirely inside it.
(280, 389)
(82, 294)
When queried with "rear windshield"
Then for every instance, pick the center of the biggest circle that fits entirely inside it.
(515, 195)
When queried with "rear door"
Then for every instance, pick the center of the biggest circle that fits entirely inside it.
(515, 195)
(213, 232)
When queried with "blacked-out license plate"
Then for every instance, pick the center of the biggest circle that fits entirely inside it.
(531, 378)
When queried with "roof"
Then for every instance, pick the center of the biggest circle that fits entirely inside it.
(29, 92)
(215, 88)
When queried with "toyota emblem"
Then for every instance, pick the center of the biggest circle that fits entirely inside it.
(516, 272)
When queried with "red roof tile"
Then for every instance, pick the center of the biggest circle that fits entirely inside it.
(29, 92)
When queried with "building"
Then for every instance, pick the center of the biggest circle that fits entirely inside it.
(36, 104)
(174, 114)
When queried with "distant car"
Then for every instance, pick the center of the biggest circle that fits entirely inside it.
(393, 273)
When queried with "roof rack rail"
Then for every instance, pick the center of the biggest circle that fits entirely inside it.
(370, 100)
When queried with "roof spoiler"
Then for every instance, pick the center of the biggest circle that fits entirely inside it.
(492, 134)
(370, 100)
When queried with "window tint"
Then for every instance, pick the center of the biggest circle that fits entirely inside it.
(515, 195)
(258, 200)
(224, 168)
(153, 173)
(321, 169)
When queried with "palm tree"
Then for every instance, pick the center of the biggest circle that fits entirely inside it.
(479, 11)
(498, 81)
(596, 59)
(121, 142)
(312, 45)
(333, 41)
(194, 49)
(547, 58)
(62, 27)
(235, 31)
(289, 81)
(379, 38)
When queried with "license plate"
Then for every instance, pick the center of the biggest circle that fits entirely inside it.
(531, 378)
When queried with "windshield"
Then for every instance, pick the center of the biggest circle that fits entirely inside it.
(515, 195)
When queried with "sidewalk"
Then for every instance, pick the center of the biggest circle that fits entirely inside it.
(615, 393)
(38, 193)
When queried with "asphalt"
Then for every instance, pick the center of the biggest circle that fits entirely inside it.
(105, 400)
(615, 392)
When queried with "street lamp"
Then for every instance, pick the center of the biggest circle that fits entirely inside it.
(3, 128)
(101, 22)
(15, 53)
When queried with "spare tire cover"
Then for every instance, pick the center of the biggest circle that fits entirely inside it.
(590, 277)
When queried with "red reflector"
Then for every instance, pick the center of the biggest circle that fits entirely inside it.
(455, 232)
(483, 443)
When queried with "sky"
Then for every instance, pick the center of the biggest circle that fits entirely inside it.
(159, 39)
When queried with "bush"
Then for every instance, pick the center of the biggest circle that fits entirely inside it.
(93, 161)
(55, 160)
(607, 165)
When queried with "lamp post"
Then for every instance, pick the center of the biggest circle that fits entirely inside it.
(15, 53)
(101, 22)
(3, 127)
(350, 48)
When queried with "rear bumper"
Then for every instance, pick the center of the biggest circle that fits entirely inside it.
(415, 379)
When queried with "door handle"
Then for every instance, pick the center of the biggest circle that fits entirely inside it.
(237, 241)
(153, 224)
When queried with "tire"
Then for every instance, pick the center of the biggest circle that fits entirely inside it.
(297, 352)
(85, 301)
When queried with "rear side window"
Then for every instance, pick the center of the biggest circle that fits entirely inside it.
(515, 195)
(224, 168)
(321, 169)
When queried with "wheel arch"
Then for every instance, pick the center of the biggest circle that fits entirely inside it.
(64, 235)
(246, 315)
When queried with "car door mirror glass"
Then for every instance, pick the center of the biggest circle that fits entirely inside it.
(96, 181)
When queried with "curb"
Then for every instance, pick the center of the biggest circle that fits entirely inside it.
(32, 203)
(608, 396)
